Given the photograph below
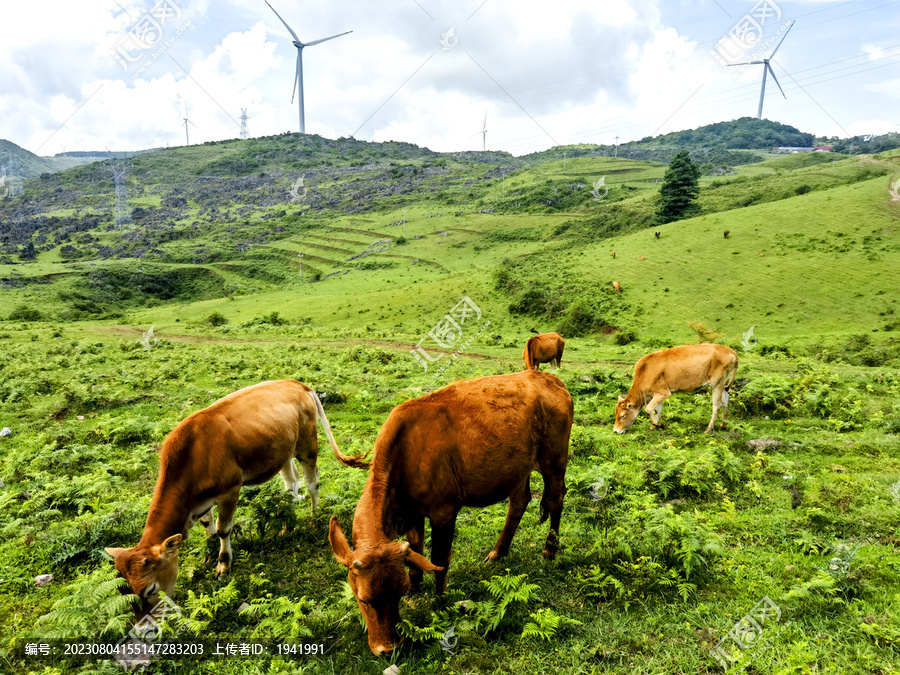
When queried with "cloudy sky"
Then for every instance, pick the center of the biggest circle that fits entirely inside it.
(117, 74)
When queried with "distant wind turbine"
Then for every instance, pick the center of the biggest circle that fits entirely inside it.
(484, 133)
(767, 69)
(187, 139)
(298, 75)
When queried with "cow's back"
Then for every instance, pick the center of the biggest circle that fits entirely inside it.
(242, 429)
(471, 442)
(682, 368)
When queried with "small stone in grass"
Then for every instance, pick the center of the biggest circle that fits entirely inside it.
(42, 580)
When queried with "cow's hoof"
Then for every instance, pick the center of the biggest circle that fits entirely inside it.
(493, 556)
(221, 570)
(549, 554)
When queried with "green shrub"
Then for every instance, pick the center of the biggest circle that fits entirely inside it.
(216, 319)
(24, 313)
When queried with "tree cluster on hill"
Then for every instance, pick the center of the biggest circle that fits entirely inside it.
(865, 145)
(745, 133)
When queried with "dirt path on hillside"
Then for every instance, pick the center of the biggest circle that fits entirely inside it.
(133, 332)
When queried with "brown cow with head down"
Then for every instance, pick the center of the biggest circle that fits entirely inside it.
(242, 439)
(545, 348)
(685, 368)
(474, 443)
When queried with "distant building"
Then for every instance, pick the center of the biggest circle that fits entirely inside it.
(792, 149)
(824, 148)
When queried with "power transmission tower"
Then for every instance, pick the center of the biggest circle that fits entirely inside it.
(123, 210)
(244, 133)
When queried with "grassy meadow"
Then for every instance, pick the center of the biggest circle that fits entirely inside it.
(669, 537)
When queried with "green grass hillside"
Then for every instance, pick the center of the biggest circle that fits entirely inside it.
(669, 537)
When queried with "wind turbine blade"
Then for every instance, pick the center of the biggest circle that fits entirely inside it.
(192, 124)
(782, 38)
(315, 42)
(290, 30)
(296, 76)
(772, 73)
(746, 63)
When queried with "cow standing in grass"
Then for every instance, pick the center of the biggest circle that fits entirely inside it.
(242, 439)
(685, 369)
(474, 443)
(543, 348)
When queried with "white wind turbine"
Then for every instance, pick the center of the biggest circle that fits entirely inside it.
(766, 69)
(298, 76)
(187, 140)
(483, 133)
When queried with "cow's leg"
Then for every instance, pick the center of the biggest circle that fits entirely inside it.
(311, 476)
(291, 477)
(654, 408)
(207, 521)
(552, 505)
(719, 401)
(224, 525)
(442, 531)
(416, 539)
(518, 501)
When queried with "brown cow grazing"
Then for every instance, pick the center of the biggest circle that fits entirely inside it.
(545, 348)
(687, 368)
(640, 257)
(613, 254)
(726, 233)
(617, 287)
(474, 443)
(242, 439)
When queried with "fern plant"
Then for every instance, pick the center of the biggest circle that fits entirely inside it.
(545, 624)
(282, 617)
(505, 591)
(96, 606)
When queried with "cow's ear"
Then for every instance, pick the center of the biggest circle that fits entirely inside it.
(621, 399)
(414, 559)
(116, 552)
(339, 544)
(170, 547)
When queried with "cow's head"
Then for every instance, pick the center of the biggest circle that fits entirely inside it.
(378, 577)
(626, 413)
(149, 569)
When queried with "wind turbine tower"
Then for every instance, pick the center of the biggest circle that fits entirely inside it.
(245, 134)
(298, 75)
(766, 69)
(484, 133)
(187, 138)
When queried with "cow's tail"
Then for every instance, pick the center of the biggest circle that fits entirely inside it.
(356, 461)
(529, 361)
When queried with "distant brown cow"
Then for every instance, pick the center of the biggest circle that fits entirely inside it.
(242, 439)
(617, 287)
(726, 233)
(545, 348)
(687, 368)
(474, 443)
(640, 257)
(657, 234)
(613, 254)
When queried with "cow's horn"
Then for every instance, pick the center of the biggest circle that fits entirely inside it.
(358, 564)
(404, 547)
